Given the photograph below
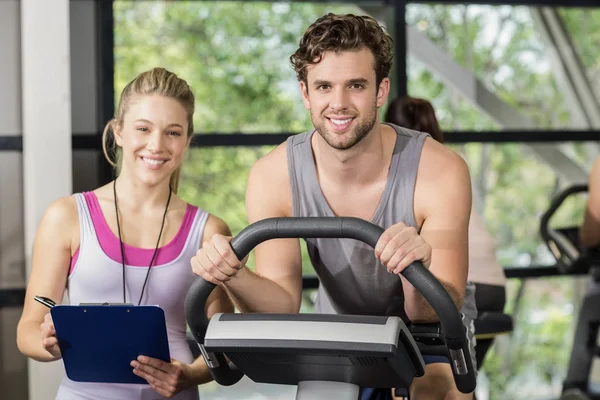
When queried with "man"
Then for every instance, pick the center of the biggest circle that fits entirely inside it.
(352, 165)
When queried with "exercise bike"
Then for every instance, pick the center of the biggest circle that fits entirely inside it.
(573, 259)
(327, 356)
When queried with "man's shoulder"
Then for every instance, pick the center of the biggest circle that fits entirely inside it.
(271, 170)
(441, 170)
(269, 184)
(275, 160)
(409, 134)
(437, 154)
(443, 179)
(299, 138)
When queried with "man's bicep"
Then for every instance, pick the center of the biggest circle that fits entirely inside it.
(446, 228)
(267, 191)
(268, 196)
(280, 260)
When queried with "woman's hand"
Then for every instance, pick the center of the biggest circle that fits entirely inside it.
(49, 340)
(167, 379)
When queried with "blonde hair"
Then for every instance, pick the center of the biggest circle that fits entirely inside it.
(157, 81)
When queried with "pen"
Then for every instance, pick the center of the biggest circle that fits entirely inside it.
(45, 301)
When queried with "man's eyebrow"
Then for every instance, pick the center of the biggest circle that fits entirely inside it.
(362, 81)
(321, 83)
(352, 81)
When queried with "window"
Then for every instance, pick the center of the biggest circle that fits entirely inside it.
(503, 49)
(513, 186)
(215, 179)
(532, 361)
(582, 24)
(500, 46)
(235, 56)
(484, 68)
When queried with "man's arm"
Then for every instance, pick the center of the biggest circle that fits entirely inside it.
(590, 230)
(443, 203)
(218, 301)
(277, 284)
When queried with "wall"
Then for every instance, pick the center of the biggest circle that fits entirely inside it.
(48, 78)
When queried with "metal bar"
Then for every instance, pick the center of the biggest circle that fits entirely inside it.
(511, 272)
(532, 3)
(533, 272)
(11, 143)
(521, 136)
(239, 139)
(86, 141)
(15, 297)
(400, 51)
(12, 297)
(105, 79)
(552, 3)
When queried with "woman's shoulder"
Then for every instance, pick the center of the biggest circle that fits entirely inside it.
(64, 208)
(60, 218)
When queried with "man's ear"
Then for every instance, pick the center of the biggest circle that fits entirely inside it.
(383, 92)
(305, 98)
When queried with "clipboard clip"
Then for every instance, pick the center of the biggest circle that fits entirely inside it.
(105, 304)
(45, 301)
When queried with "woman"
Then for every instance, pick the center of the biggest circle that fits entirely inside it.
(484, 270)
(128, 241)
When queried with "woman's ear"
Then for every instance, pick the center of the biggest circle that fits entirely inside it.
(117, 131)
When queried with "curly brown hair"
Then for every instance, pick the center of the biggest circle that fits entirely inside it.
(339, 33)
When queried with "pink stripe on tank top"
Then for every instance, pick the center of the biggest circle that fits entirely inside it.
(134, 256)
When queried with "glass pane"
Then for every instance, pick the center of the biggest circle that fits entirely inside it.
(453, 111)
(502, 48)
(235, 56)
(532, 361)
(215, 179)
(512, 187)
(583, 25)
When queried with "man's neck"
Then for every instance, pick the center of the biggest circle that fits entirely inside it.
(135, 195)
(356, 166)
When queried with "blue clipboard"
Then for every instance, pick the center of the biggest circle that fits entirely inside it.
(98, 342)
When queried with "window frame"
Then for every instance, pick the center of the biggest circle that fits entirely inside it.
(106, 107)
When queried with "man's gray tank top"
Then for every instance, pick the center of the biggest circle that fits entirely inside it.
(352, 280)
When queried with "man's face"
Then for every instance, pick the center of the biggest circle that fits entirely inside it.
(342, 96)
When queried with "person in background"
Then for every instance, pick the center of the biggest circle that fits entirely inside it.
(589, 233)
(484, 270)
